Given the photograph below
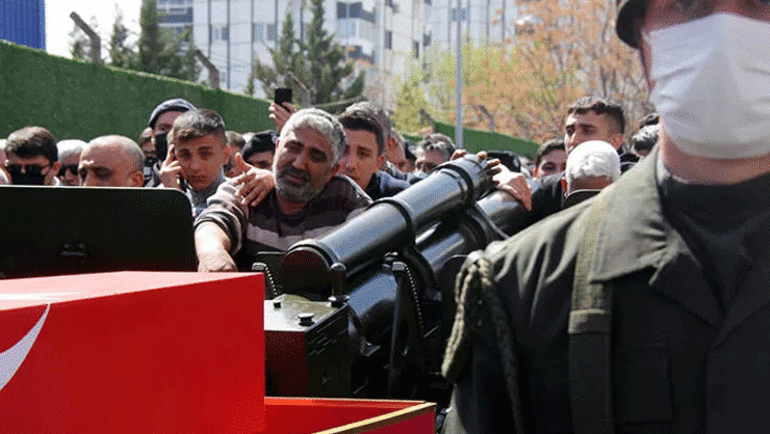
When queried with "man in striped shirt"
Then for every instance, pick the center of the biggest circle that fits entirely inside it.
(309, 198)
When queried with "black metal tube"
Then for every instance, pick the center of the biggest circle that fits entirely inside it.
(388, 225)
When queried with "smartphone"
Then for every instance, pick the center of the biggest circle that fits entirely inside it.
(282, 95)
(180, 178)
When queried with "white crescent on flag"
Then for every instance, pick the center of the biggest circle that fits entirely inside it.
(12, 358)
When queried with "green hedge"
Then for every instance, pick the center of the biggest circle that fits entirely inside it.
(76, 99)
(477, 140)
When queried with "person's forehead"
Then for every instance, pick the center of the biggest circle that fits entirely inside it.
(434, 155)
(308, 137)
(556, 155)
(208, 141)
(70, 159)
(261, 156)
(167, 118)
(37, 159)
(362, 138)
(104, 156)
(588, 118)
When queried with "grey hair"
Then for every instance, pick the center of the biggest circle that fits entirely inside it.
(593, 159)
(69, 147)
(323, 122)
(128, 146)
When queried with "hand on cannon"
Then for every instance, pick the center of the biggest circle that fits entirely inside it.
(504, 179)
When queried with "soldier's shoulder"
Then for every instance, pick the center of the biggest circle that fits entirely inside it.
(558, 232)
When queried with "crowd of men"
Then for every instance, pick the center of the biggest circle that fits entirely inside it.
(644, 309)
(265, 191)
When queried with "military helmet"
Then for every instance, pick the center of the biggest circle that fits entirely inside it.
(624, 25)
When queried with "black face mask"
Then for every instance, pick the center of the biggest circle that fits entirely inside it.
(150, 161)
(161, 146)
(33, 174)
(27, 179)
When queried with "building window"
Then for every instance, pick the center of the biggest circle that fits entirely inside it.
(416, 49)
(428, 2)
(388, 40)
(342, 10)
(219, 33)
(272, 32)
(354, 10)
(462, 16)
(257, 32)
(176, 15)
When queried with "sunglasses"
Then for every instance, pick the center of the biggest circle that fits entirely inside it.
(73, 169)
(29, 169)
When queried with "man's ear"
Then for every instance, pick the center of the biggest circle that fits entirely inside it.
(53, 172)
(228, 151)
(136, 179)
(381, 161)
(616, 141)
(336, 168)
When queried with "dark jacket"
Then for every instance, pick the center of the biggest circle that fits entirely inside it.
(548, 192)
(383, 185)
(678, 365)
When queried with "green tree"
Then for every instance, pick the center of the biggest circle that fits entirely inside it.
(285, 59)
(80, 44)
(161, 53)
(567, 50)
(410, 99)
(122, 55)
(319, 63)
(325, 61)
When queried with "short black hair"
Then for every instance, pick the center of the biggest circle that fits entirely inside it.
(547, 147)
(649, 119)
(409, 147)
(29, 142)
(379, 113)
(646, 138)
(235, 139)
(600, 106)
(145, 136)
(197, 123)
(358, 119)
(438, 142)
(507, 158)
(262, 141)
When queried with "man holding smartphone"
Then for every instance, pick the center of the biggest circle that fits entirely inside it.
(281, 108)
(197, 153)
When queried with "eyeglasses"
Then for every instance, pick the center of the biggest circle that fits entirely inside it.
(29, 169)
(73, 169)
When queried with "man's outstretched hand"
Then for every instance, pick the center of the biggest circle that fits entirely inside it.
(255, 183)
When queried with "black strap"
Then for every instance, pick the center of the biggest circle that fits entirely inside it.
(590, 323)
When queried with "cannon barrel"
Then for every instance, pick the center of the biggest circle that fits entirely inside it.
(388, 225)
(395, 264)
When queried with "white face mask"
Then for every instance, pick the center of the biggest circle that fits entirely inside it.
(712, 85)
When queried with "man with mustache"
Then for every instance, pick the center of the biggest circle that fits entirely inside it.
(309, 198)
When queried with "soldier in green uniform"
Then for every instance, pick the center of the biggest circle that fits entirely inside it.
(646, 310)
